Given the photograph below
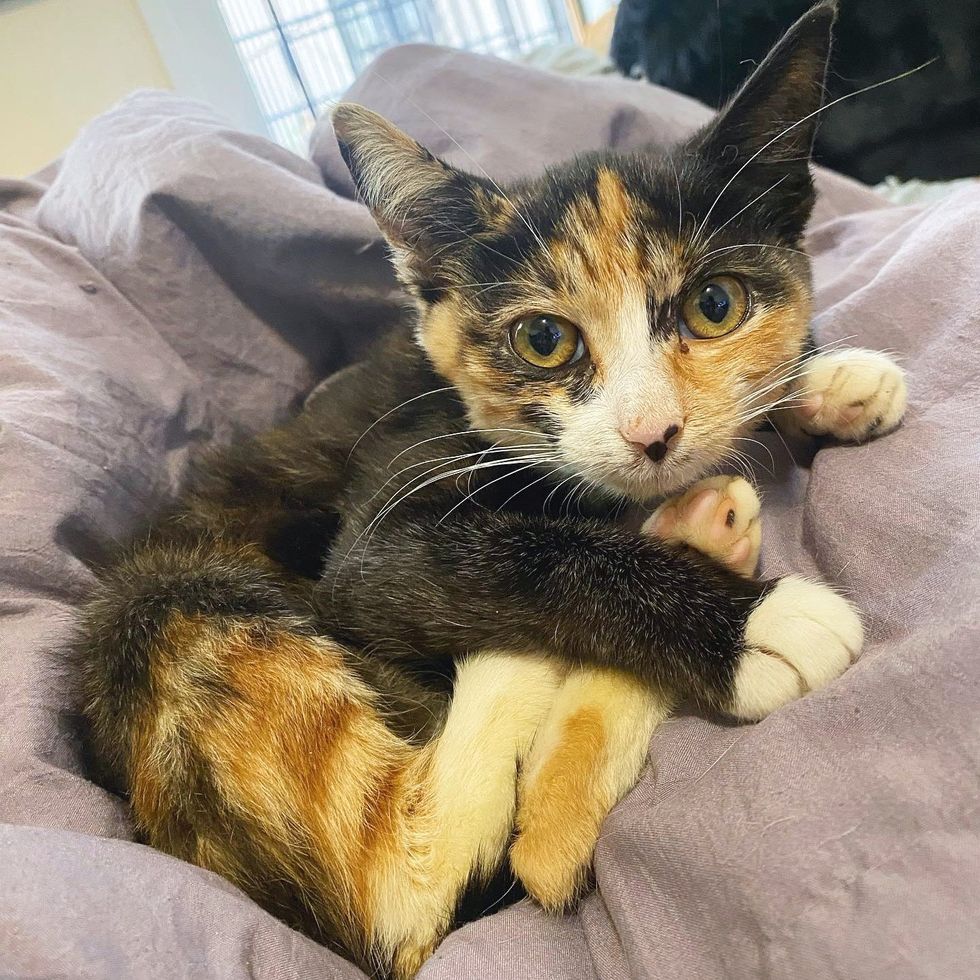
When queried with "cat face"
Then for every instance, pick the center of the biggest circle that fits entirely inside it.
(639, 313)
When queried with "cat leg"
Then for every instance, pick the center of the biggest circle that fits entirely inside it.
(468, 784)
(593, 745)
(720, 517)
(587, 755)
(851, 394)
(592, 593)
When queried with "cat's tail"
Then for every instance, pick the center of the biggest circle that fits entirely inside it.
(248, 745)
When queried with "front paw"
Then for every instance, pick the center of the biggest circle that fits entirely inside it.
(852, 395)
(798, 639)
(718, 516)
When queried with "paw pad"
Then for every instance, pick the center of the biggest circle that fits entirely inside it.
(718, 517)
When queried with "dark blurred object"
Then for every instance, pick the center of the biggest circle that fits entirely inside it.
(925, 126)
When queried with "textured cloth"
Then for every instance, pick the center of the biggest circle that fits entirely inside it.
(170, 282)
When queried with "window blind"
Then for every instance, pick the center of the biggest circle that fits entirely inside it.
(302, 54)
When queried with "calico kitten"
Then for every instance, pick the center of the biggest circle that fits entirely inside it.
(318, 673)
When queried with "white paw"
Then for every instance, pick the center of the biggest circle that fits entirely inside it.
(798, 639)
(852, 395)
(718, 517)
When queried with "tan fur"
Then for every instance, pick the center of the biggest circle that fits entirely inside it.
(442, 338)
(490, 406)
(599, 244)
(715, 377)
(587, 755)
(467, 798)
(381, 835)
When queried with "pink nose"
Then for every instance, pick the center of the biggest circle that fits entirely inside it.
(655, 440)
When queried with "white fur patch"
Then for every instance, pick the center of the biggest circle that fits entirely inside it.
(499, 701)
(851, 394)
(799, 638)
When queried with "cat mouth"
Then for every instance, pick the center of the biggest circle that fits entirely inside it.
(640, 479)
(656, 480)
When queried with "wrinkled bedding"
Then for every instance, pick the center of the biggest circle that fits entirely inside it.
(170, 282)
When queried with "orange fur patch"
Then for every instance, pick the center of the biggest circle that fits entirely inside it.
(712, 374)
(561, 813)
(293, 746)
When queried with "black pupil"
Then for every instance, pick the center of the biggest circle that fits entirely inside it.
(544, 335)
(714, 302)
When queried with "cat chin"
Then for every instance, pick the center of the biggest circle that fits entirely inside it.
(638, 491)
(645, 488)
(615, 475)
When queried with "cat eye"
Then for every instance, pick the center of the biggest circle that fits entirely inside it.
(546, 341)
(715, 307)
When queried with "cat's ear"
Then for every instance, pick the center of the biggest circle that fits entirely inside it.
(421, 204)
(769, 125)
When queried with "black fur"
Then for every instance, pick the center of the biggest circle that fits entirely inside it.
(926, 126)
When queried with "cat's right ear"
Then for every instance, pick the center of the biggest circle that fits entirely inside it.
(764, 136)
(421, 204)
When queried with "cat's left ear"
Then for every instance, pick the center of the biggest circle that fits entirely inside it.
(422, 205)
(765, 133)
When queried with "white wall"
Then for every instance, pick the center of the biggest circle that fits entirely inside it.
(202, 61)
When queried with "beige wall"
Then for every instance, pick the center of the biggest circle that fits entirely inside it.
(61, 63)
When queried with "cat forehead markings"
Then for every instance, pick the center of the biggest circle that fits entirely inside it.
(609, 241)
(596, 235)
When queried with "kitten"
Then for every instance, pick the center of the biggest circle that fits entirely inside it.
(314, 674)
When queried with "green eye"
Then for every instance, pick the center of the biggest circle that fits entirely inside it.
(715, 307)
(546, 341)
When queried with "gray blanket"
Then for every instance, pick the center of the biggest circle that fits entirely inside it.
(171, 282)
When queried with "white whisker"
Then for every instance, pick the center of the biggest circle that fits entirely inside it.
(729, 248)
(408, 401)
(467, 432)
(471, 494)
(547, 500)
(517, 493)
(760, 443)
(758, 197)
(444, 459)
(680, 201)
(400, 496)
